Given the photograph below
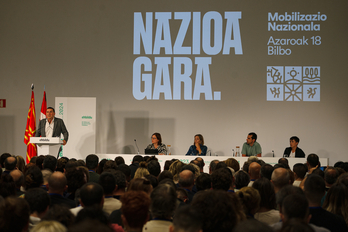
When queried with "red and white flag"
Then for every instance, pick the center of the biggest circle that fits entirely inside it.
(30, 130)
(43, 107)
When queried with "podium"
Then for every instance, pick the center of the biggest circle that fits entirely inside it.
(47, 145)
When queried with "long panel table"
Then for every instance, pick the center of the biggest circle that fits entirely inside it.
(207, 159)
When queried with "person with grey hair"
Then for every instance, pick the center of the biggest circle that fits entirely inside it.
(280, 178)
(18, 179)
(163, 204)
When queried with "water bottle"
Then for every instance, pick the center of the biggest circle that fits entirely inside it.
(168, 150)
(237, 151)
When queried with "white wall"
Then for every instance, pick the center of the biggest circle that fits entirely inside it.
(85, 49)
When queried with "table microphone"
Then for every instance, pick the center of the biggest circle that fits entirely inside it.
(135, 141)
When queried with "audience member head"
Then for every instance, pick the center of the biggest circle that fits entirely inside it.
(120, 179)
(312, 160)
(266, 171)
(267, 193)
(33, 177)
(336, 200)
(137, 159)
(10, 163)
(135, 209)
(285, 162)
(246, 165)
(343, 179)
(50, 162)
(330, 176)
(254, 170)
(280, 178)
(241, 179)
(90, 225)
(153, 180)
(70, 165)
(233, 163)
(314, 188)
(61, 214)
(100, 167)
(7, 186)
(108, 183)
(295, 206)
(186, 179)
(92, 162)
(76, 178)
(250, 199)
(119, 160)
(46, 173)
(287, 190)
(20, 163)
(140, 184)
(175, 169)
(220, 165)
(163, 202)
(154, 168)
(3, 157)
(203, 182)
(18, 178)
(38, 200)
(39, 161)
(33, 160)
(186, 220)
(142, 170)
(221, 179)
(14, 215)
(300, 171)
(57, 183)
(211, 205)
(167, 164)
(49, 226)
(165, 174)
(319, 172)
(110, 164)
(61, 162)
(92, 194)
(212, 166)
(126, 170)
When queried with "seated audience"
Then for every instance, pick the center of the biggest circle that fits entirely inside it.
(242, 179)
(57, 184)
(266, 171)
(250, 200)
(92, 162)
(49, 226)
(39, 202)
(267, 212)
(14, 215)
(300, 171)
(254, 172)
(314, 188)
(186, 220)
(280, 178)
(163, 204)
(135, 210)
(108, 183)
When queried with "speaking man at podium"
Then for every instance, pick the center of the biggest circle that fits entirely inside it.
(52, 126)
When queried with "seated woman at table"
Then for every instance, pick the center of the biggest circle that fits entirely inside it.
(293, 151)
(198, 147)
(156, 143)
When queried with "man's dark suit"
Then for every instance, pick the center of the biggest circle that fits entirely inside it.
(59, 128)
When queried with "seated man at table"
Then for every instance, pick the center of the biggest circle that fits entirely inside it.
(293, 150)
(251, 147)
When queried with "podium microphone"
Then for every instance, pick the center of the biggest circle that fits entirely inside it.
(135, 141)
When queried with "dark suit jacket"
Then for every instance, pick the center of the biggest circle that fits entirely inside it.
(298, 153)
(323, 218)
(59, 128)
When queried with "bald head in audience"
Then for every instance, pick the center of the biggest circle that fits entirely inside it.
(186, 179)
(280, 178)
(254, 170)
(57, 183)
